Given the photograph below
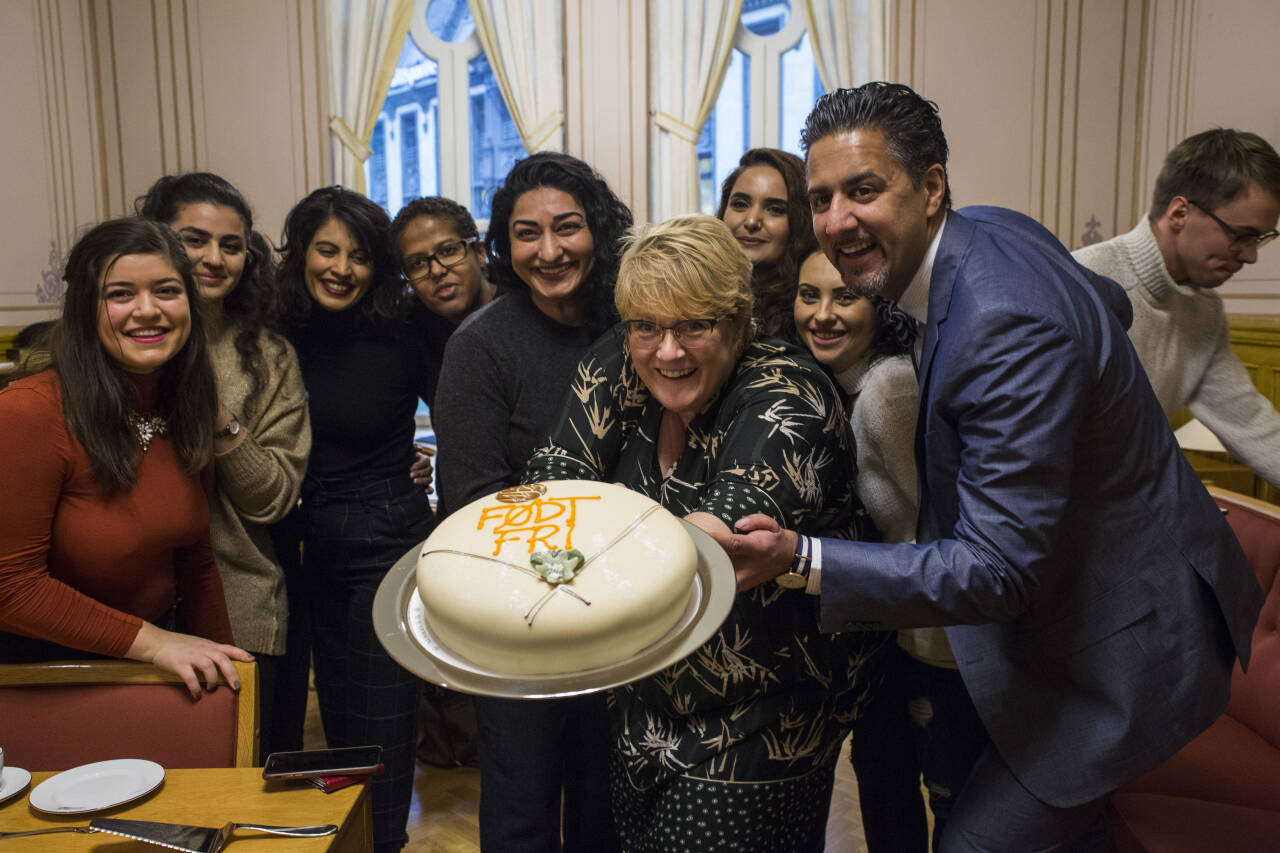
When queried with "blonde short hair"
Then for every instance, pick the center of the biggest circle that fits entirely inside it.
(685, 267)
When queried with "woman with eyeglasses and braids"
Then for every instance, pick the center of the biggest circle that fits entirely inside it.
(261, 433)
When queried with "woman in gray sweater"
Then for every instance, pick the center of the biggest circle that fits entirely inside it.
(553, 252)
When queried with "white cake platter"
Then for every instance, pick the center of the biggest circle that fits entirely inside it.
(401, 625)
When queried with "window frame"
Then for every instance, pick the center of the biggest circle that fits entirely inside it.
(453, 91)
(764, 125)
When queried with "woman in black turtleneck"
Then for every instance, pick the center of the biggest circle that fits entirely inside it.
(365, 366)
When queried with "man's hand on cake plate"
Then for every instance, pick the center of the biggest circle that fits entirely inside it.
(760, 549)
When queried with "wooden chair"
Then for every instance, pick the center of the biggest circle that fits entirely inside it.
(59, 715)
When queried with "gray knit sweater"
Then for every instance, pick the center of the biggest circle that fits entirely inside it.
(1183, 341)
(256, 483)
(885, 397)
(505, 370)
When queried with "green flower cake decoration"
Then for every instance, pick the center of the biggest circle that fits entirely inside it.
(557, 566)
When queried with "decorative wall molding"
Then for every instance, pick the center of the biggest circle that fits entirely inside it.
(70, 126)
(108, 95)
(1168, 57)
(1055, 115)
(1067, 107)
(904, 39)
(1061, 108)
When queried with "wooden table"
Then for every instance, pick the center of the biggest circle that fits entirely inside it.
(207, 798)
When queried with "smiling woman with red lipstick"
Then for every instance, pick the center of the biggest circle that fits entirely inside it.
(106, 551)
(765, 203)
(365, 367)
(261, 433)
(553, 247)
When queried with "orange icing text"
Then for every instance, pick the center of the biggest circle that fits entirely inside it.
(536, 522)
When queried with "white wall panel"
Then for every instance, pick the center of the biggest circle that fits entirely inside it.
(1063, 109)
(101, 97)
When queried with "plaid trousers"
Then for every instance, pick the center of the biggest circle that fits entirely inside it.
(353, 533)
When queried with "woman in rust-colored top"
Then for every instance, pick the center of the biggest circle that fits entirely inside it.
(104, 542)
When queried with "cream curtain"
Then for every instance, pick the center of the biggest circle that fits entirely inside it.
(689, 45)
(365, 40)
(524, 41)
(850, 40)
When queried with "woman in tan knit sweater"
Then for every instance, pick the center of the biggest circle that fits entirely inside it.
(262, 434)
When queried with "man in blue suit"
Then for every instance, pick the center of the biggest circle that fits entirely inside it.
(1095, 599)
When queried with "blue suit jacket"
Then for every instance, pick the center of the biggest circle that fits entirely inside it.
(1096, 596)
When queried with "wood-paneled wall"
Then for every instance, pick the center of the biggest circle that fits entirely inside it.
(1256, 340)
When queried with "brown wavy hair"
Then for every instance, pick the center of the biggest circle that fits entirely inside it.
(96, 401)
(775, 285)
(252, 307)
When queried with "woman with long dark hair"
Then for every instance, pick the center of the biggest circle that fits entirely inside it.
(364, 366)
(107, 551)
(553, 246)
(261, 433)
(765, 203)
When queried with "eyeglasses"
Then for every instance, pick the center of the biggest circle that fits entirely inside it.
(688, 333)
(448, 255)
(1239, 238)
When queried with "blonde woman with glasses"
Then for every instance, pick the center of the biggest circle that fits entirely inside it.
(735, 747)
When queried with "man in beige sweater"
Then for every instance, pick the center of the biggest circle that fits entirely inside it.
(1215, 205)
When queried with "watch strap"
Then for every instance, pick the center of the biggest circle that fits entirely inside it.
(797, 577)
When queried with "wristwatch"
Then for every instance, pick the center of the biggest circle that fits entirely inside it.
(797, 577)
(230, 430)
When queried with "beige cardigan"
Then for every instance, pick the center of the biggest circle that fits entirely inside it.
(256, 483)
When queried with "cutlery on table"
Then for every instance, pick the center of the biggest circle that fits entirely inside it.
(85, 829)
(198, 839)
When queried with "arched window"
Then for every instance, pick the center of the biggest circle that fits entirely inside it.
(771, 85)
(443, 129)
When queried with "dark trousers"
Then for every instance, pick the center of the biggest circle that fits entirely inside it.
(353, 535)
(995, 814)
(531, 753)
(919, 721)
(283, 731)
(268, 675)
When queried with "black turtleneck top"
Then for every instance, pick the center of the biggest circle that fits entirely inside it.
(363, 382)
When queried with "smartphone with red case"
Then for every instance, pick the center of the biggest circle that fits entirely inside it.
(308, 763)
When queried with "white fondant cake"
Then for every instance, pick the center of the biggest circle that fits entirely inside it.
(486, 601)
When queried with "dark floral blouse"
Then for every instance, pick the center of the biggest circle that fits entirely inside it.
(768, 697)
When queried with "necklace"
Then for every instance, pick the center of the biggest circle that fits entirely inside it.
(147, 427)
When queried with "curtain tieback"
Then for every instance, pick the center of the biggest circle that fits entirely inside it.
(541, 134)
(348, 138)
(671, 124)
